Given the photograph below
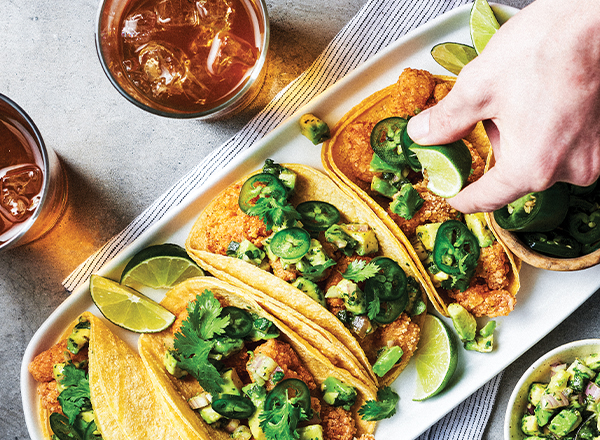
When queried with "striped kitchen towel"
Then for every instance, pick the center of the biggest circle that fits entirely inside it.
(378, 24)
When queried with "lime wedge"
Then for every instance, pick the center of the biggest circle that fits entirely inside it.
(448, 166)
(128, 308)
(436, 358)
(453, 56)
(482, 24)
(160, 266)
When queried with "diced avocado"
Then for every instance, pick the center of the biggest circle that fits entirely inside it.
(593, 361)
(543, 416)
(257, 394)
(353, 297)
(337, 393)
(209, 415)
(310, 432)
(387, 359)
(225, 346)
(378, 165)
(529, 425)
(579, 368)
(426, 233)
(262, 329)
(286, 176)
(246, 251)
(242, 432)
(383, 187)
(316, 255)
(488, 328)
(364, 235)
(558, 381)
(233, 384)
(336, 235)
(311, 289)
(57, 373)
(170, 362)
(479, 227)
(481, 344)
(464, 323)
(79, 337)
(406, 202)
(87, 416)
(536, 390)
(313, 128)
(419, 248)
(565, 422)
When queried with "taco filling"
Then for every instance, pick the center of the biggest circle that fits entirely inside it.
(338, 264)
(465, 262)
(64, 389)
(244, 380)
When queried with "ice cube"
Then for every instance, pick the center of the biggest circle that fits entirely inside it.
(24, 180)
(202, 40)
(139, 27)
(173, 13)
(228, 50)
(165, 70)
(15, 207)
(216, 13)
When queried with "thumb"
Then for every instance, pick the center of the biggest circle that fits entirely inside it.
(454, 117)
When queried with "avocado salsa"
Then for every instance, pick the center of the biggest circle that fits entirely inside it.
(566, 407)
(337, 264)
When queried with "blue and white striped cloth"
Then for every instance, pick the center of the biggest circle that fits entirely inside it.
(377, 24)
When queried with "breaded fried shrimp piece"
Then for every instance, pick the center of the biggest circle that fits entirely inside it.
(338, 424)
(358, 153)
(441, 90)
(402, 333)
(413, 90)
(284, 356)
(494, 266)
(481, 301)
(477, 163)
(42, 365)
(48, 392)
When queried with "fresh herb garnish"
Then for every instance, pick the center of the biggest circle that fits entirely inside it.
(75, 398)
(383, 408)
(360, 270)
(274, 212)
(280, 423)
(193, 341)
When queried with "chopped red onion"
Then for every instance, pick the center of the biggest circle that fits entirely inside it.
(594, 391)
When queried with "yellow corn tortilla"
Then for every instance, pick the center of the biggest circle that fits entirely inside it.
(306, 316)
(122, 394)
(334, 159)
(176, 392)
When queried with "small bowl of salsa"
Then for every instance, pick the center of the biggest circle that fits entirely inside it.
(557, 397)
(200, 59)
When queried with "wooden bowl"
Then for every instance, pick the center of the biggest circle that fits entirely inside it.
(538, 260)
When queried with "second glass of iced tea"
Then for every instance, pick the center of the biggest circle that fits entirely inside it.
(184, 58)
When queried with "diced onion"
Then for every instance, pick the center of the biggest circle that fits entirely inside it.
(201, 400)
(242, 432)
(232, 425)
(550, 401)
(556, 368)
(261, 367)
(361, 325)
(594, 391)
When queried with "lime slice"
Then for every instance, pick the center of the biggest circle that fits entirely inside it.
(128, 308)
(453, 56)
(436, 358)
(160, 266)
(448, 166)
(482, 24)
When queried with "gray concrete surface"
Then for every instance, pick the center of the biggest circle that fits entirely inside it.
(120, 159)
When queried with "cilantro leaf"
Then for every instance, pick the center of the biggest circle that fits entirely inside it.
(374, 307)
(360, 270)
(76, 397)
(383, 408)
(280, 422)
(406, 202)
(193, 341)
(274, 212)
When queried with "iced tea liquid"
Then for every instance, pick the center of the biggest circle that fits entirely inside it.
(21, 178)
(189, 54)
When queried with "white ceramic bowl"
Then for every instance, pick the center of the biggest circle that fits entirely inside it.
(539, 371)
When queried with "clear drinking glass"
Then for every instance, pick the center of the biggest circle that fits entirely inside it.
(201, 59)
(33, 185)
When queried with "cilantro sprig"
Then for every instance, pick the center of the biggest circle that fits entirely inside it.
(274, 212)
(193, 342)
(75, 398)
(383, 408)
(360, 270)
(280, 423)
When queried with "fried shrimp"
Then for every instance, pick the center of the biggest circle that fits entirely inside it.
(338, 423)
(413, 91)
(402, 333)
(42, 365)
(285, 357)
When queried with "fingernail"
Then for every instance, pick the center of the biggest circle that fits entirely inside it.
(418, 126)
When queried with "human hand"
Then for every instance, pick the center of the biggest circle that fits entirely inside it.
(536, 86)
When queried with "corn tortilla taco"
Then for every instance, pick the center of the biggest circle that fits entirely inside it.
(327, 276)
(489, 286)
(237, 386)
(92, 385)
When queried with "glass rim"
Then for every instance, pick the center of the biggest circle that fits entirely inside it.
(39, 142)
(213, 112)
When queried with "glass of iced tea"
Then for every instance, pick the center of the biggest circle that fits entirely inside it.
(200, 59)
(33, 188)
